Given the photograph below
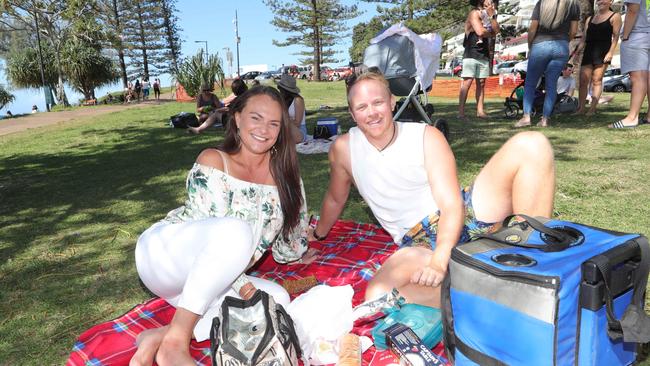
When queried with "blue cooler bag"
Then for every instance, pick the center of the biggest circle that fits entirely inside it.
(546, 292)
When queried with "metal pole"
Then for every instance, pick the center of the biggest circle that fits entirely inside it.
(40, 61)
(237, 40)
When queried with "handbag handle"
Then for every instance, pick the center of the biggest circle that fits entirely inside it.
(561, 242)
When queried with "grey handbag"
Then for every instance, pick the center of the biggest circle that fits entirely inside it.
(256, 331)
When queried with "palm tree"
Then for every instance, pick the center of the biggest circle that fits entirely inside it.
(196, 70)
(5, 97)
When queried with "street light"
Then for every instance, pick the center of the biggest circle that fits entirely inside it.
(206, 49)
(237, 39)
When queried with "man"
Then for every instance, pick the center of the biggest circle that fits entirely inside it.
(406, 173)
(566, 84)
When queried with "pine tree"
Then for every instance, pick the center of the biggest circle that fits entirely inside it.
(314, 24)
(142, 36)
(171, 31)
(111, 14)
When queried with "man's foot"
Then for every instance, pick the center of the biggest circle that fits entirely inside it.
(524, 122)
(462, 117)
(482, 116)
(148, 342)
(174, 352)
(579, 112)
(193, 130)
(622, 124)
(590, 112)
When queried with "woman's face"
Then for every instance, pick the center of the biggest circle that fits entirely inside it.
(606, 4)
(259, 124)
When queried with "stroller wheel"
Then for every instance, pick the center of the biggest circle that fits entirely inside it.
(443, 126)
(429, 109)
(511, 110)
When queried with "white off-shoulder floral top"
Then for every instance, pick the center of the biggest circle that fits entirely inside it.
(215, 193)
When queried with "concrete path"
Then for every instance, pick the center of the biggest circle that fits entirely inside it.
(12, 125)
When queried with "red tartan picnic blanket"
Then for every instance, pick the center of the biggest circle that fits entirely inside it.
(351, 255)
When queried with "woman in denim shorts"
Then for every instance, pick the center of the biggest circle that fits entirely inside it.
(553, 24)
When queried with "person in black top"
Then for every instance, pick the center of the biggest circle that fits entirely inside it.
(476, 58)
(598, 44)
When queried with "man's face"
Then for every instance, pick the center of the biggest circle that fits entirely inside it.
(567, 72)
(371, 107)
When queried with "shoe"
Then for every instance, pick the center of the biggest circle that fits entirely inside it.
(619, 125)
(542, 123)
(644, 121)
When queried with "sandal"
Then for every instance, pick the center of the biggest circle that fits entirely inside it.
(522, 123)
(619, 125)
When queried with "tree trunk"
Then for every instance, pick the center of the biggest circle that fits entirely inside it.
(120, 49)
(317, 50)
(60, 91)
(143, 42)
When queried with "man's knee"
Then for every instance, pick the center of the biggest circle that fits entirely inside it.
(532, 144)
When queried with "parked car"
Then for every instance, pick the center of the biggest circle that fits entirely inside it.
(620, 83)
(520, 66)
(266, 75)
(250, 75)
(610, 73)
(506, 67)
(457, 70)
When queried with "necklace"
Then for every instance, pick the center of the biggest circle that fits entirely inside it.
(391, 139)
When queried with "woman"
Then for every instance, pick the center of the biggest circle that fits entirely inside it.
(296, 107)
(243, 198)
(635, 59)
(553, 24)
(207, 103)
(476, 57)
(238, 88)
(599, 43)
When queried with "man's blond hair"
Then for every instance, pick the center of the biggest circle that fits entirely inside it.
(371, 74)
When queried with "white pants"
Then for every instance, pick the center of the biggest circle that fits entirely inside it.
(193, 264)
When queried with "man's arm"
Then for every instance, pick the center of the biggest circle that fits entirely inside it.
(440, 165)
(339, 187)
(630, 19)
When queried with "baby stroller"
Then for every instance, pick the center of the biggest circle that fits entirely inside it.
(514, 104)
(409, 63)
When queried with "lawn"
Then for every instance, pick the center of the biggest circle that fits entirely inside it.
(75, 197)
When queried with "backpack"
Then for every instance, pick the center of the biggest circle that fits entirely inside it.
(251, 332)
(184, 120)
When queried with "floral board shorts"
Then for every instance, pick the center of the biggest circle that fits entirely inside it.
(424, 234)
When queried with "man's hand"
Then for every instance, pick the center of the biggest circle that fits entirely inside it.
(434, 273)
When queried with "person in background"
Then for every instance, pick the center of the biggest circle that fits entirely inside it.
(476, 57)
(207, 103)
(295, 107)
(553, 24)
(9, 114)
(238, 88)
(635, 59)
(244, 199)
(34, 109)
(145, 89)
(156, 88)
(137, 89)
(566, 84)
(598, 45)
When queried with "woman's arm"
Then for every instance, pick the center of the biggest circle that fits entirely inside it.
(573, 29)
(616, 22)
(630, 19)
(474, 18)
(299, 105)
(532, 32)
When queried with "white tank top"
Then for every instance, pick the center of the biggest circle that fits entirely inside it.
(393, 182)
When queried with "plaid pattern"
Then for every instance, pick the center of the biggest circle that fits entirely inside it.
(425, 232)
(351, 255)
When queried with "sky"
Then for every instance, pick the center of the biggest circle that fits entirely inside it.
(212, 21)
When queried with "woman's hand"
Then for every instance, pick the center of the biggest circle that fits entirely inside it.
(489, 8)
(608, 57)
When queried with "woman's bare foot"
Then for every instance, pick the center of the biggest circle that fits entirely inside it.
(194, 130)
(482, 116)
(174, 351)
(590, 112)
(579, 112)
(543, 122)
(148, 342)
(523, 122)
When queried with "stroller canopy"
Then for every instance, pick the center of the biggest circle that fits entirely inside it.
(401, 54)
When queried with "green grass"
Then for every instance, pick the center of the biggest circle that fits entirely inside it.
(75, 197)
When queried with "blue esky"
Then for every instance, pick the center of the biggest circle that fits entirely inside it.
(212, 21)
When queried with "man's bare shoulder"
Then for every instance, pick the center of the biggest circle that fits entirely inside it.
(339, 154)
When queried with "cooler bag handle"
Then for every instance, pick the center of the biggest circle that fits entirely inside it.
(522, 229)
(634, 325)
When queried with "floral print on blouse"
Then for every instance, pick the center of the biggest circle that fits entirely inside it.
(213, 193)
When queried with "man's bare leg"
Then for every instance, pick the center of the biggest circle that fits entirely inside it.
(519, 178)
(396, 273)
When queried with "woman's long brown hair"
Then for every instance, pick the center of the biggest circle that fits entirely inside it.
(284, 160)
